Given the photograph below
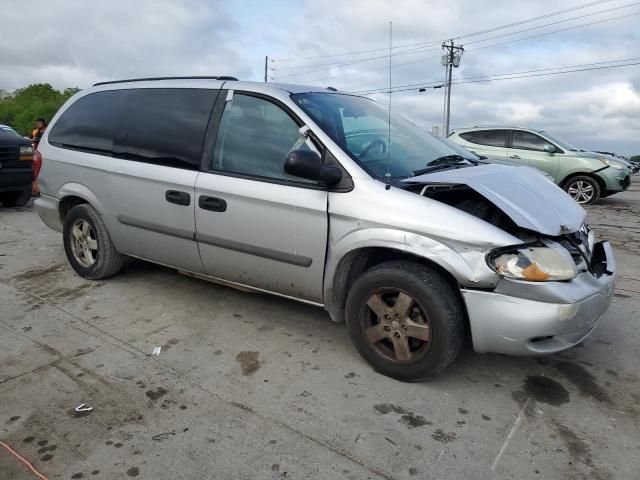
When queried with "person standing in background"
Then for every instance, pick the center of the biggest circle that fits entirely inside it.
(36, 135)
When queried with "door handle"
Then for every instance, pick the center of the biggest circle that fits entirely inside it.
(515, 157)
(213, 204)
(179, 198)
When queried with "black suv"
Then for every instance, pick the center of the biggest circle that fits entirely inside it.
(16, 168)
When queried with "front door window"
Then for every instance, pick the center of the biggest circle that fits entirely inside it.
(254, 138)
(528, 141)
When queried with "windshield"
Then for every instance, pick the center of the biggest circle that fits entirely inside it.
(561, 143)
(361, 127)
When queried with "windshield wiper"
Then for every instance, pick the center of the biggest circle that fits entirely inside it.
(444, 162)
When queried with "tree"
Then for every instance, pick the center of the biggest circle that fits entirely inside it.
(20, 108)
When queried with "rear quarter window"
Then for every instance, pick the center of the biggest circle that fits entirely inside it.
(89, 123)
(491, 138)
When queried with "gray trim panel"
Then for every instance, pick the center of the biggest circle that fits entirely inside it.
(284, 257)
(276, 255)
(156, 227)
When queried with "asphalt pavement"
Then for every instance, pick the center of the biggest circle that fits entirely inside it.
(250, 386)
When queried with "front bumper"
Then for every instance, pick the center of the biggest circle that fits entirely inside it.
(539, 318)
(615, 180)
(47, 208)
(16, 178)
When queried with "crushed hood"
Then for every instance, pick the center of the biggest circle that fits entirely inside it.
(522, 193)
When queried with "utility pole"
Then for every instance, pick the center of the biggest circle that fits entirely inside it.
(450, 60)
(266, 67)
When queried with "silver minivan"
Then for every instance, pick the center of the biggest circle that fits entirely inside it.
(321, 197)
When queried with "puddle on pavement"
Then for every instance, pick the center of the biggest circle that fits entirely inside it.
(542, 389)
(249, 362)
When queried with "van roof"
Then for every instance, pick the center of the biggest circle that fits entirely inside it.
(493, 127)
(291, 88)
(147, 79)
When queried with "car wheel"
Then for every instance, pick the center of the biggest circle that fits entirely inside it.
(584, 190)
(15, 199)
(88, 245)
(405, 320)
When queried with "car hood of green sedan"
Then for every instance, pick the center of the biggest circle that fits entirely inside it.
(524, 194)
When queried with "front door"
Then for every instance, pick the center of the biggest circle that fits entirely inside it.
(528, 149)
(257, 225)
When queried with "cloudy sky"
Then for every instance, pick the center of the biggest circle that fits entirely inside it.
(75, 43)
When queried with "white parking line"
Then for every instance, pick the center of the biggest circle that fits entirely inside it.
(512, 432)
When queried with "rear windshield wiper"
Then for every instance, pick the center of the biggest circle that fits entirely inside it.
(444, 162)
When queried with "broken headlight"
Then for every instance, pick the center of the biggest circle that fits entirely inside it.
(536, 264)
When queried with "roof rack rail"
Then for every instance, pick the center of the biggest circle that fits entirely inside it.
(221, 77)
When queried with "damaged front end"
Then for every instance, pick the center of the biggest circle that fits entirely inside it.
(552, 287)
(556, 243)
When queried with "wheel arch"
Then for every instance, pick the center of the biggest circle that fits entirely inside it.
(359, 260)
(72, 194)
(600, 181)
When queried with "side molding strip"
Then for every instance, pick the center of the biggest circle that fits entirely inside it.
(284, 257)
(276, 255)
(155, 227)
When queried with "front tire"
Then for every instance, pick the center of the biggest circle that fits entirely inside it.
(405, 320)
(88, 245)
(15, 199)
(583, 189)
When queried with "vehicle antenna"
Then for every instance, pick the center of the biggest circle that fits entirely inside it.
(388, 174)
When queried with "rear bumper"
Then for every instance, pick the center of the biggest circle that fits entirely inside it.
(518, 323)
(47, 208)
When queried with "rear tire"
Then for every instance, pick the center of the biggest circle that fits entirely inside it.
(405, 320)
(88, 245)
(583, 189)
(15, 199)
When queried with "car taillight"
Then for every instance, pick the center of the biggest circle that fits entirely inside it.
(37, 164)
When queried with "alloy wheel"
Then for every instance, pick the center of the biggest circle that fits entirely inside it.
(396, 326)
(84, 243)
(581, 191)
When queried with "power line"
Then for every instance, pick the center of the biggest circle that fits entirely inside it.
(555, 23)
(555, 31)
(395, 65)
(434, 42)
(331, 64)
(432, 82)
(496, 44)
(297, 74)
(529, 20)
(482, 40)
(522, 76)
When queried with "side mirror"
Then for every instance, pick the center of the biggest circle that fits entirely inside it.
(549, 148)
(308, 164)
